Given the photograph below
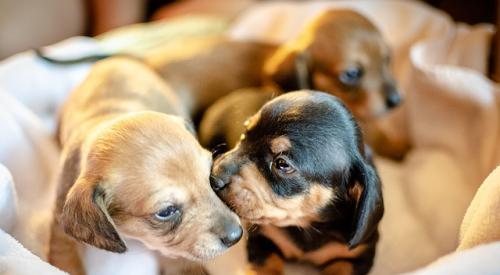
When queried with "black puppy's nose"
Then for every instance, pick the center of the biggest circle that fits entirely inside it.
(232, 233)
(217, 183)
(393, 99)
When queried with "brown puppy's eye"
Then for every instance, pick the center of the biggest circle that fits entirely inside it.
(167, 213)
(351, 76)
(281, 164)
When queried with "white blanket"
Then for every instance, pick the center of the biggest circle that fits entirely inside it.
(452, 109)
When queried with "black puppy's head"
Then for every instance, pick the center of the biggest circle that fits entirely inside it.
(300, 154)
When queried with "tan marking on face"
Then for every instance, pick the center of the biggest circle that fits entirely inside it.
(253, 199)
(148, 161)
(280, 144)
(252, 121)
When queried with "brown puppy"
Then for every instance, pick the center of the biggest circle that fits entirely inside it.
(301, 176)
(339, 52)
(131, 168)
(342, 53)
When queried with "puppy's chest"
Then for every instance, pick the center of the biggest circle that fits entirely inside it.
(314, 247)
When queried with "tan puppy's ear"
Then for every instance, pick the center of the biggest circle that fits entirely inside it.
(367, 192)
(290, 69)
(86, 218)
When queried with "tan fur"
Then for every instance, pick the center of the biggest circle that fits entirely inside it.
(124, 158)
(329, 251)
(332, 42)
(339, 268)
(280, 144)
(353, 40)
(252, 198)
(274, 265)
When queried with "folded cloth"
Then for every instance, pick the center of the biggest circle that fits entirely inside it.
(482, 259)
(17, 260)
(8, 201)
(481, 223)
(42, 86)
(30, 154)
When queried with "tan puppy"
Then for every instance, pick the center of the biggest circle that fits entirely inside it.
(339, 52)
(132, 168)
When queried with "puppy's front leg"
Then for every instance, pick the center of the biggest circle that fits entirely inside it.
(63, 251)
(341, 267)
(264, 256)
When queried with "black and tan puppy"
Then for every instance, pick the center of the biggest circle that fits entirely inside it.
(299, 173)
(131, 168)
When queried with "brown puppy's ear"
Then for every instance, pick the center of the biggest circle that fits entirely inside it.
(367, 191)
(86, 218)
(290, 70)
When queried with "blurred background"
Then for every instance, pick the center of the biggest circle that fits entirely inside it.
(27, 24)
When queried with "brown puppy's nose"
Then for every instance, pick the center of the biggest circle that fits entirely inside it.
(393, 99)
(232, 233)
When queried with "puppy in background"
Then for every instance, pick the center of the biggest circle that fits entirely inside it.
(300, 176)
(342, 53)
(339, 52)
(132, 168)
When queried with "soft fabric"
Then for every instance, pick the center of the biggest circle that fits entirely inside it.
(17, 260)
(481, 259)
(452, 110)
(136, 260)
(481, 223)
(28, 151)
(8, 199)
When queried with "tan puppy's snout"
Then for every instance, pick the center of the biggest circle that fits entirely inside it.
(392, 96)
(229, 231)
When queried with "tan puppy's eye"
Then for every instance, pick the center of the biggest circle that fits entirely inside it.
(282, 165)
(351, 76)
(168, 213)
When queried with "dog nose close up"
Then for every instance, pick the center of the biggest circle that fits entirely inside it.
(232, 233)
(217, 184)
(393, 99)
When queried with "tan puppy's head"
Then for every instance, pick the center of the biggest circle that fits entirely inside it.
(146, 177)
(341, 53)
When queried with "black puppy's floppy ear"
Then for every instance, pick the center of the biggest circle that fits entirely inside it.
(367, 191)
(290, 70)
(86, 218)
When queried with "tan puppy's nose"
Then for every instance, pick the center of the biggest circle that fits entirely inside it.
(393, 100)
(232, 233)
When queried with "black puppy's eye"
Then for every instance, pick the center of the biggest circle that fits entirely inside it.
(281, 164)
(351, 76)
(167, 213)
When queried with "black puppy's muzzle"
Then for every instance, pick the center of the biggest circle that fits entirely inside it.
(223, 169)
(217, 184)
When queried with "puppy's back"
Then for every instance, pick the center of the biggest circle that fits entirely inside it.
(223, 122)
(115, 86)
(207, 76)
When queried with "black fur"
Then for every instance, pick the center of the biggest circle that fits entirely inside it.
(327, 149)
